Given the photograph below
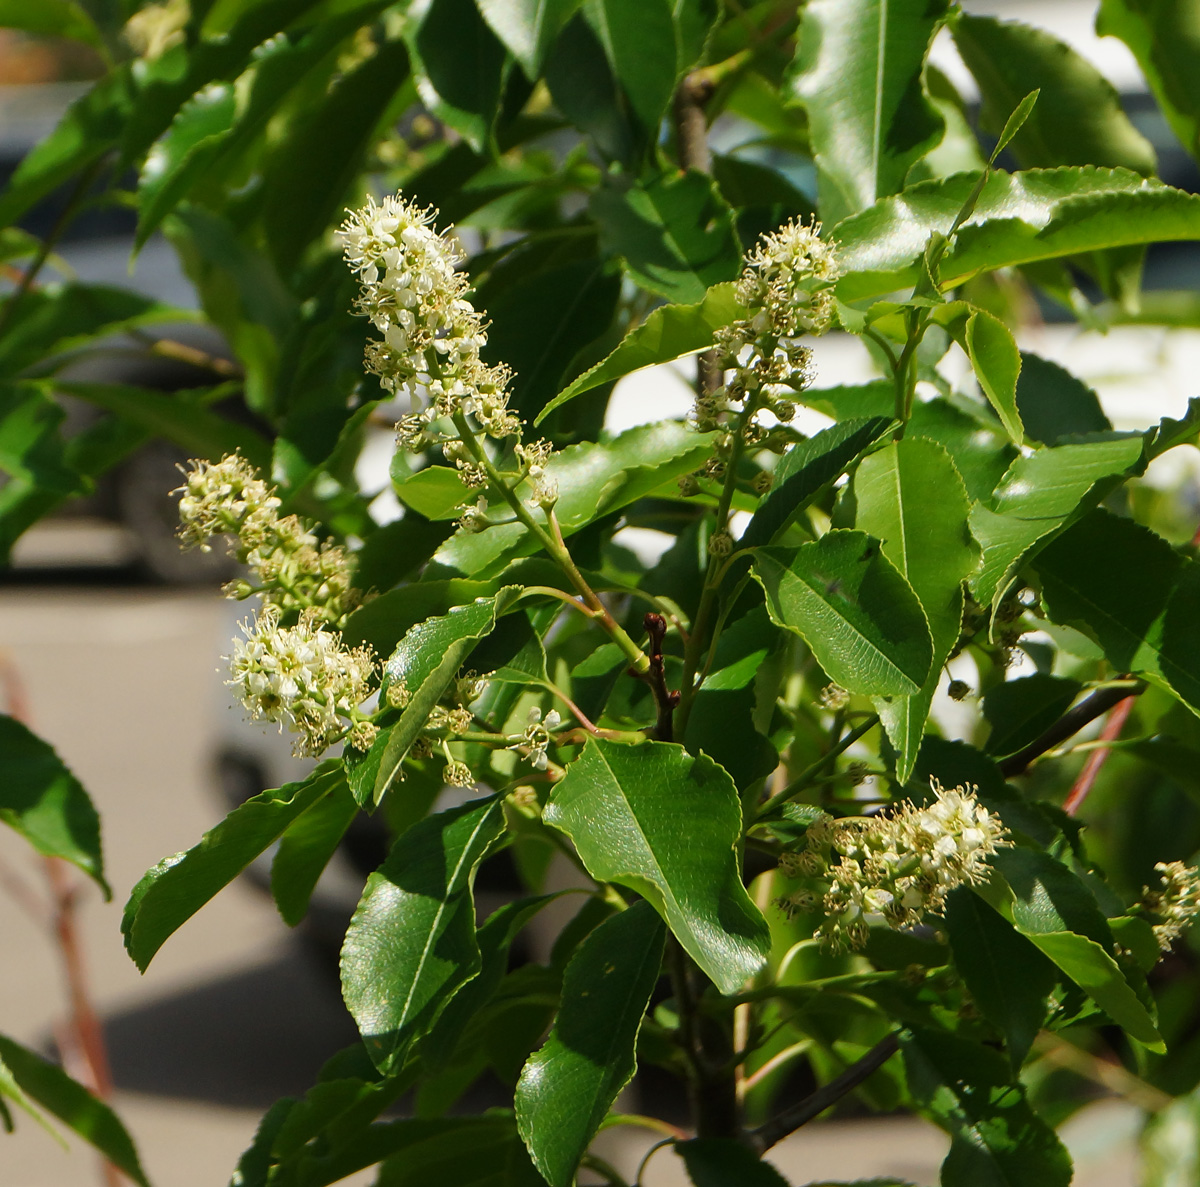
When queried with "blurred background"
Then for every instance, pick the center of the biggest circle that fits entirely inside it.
(111, 642)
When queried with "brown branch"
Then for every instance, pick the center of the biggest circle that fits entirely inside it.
(1069, 724)
(811, 1107)
(1096, 760)
(665, 699)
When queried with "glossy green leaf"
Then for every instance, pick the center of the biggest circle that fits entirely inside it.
(174, 890)
(1054, 404)
(1125, 587)
(1077, 120)
(43, 801)
(910, 497)
(980, 450)
(411, 944)
(527, 28)
(669, 332)
(857, 613)
(1056, 912)
(1019, 711)
(425, 662)
(594, 479)
(306, 848)
(674, 233)
(805, 469)
(725, 1162)
(997, 363)
(967, 1089)
(383, 622)
(1008, 978)
(638, 37)
(622, 805)
(1020, 218)
(437, 492)
(49, 1086)
(1166, 42)
(567, 1088)
(1039, 496)
(858, 73)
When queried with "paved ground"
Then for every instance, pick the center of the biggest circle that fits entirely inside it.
(233, 1012)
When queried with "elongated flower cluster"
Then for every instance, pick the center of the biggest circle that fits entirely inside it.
(1176, 902)
(895, 868)
(786, 288)
(303, 677)
(432, 334)
(294, 571)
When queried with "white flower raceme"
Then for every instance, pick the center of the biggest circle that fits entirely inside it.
(303, 677)
(1176, 902)
(432, 334)
(294, 571)
(896, 867)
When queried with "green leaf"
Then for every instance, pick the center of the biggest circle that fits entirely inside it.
(997, 1139)
(468, 1152)
(638, 37)
(32, 451)
(1052, 908)
(462, 68)
(72, 1104)
(306, 848)
(858, 615)
(1054, 404)
(437, 492)
(990, 346)
(411, 944)
(330, 142)
(980, 452)
(858, 73)
(1019, 711)
(527, 28)
(174, 890)
(594, 479)
(1008, 978)
(1020, 218)
(425, 662)
(1166, 43)
(178, 417)
(725, 1162)
(1077, 119)
(669, 332)
(51, 18)
(910, 496)
(1125, 587)
(45, 803)
(622, 806)
(1039, 496)
(805, 469)
(567, 1088)
(675, 233)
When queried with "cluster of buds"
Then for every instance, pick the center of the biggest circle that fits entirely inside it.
(786, 289)
(1176, 903)
(304, 678)
(294, 571)
(415, 296)
(894, 868)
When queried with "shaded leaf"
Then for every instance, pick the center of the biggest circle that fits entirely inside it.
(567, 1088)
(527, 28)
(306, 848)
(724, 1162)
(858, 615)
(1054, 404)
(411, 944)
(622, 805)
(1020, 711)
(45, 803)
(638, 37)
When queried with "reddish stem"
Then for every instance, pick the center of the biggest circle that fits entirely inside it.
(1098, 757)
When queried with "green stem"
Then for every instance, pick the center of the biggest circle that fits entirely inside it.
(806, 777)
(552, 541)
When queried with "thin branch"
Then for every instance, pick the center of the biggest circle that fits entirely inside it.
(1069, 724)
(811, 1107)
(1096, 760)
